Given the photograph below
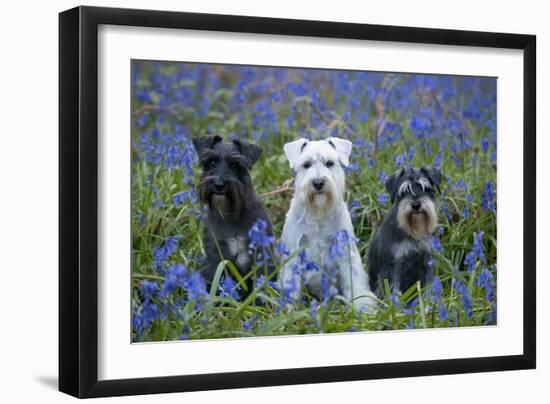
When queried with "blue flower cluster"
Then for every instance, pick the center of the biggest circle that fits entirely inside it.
(476, 254)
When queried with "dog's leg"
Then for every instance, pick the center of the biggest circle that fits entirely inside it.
(395, 282)
(354, 282)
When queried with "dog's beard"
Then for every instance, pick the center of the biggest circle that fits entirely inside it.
(320, 203)
(228, 204)
(421, 224)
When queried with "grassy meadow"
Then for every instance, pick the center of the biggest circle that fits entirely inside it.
(393, 120)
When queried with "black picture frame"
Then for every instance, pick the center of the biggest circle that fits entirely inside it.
(78, 200)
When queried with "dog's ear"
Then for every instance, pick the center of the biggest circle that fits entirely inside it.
(293, 150)
(434, 175)
(202, 143)
(343, 148)
(250, 151)
(392, 183)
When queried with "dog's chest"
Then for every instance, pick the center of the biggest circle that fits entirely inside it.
(237, 248)
(408, 248)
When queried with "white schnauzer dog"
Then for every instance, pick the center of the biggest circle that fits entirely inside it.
(317, 212)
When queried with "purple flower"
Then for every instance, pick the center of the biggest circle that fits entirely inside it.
(229, 288)
(382, 176)
(476, 254)
(466, 297)
(488, 196)
(338, 245)
(249, 325)
(437, 288)
(148, 290)
(485, 280)
(196, 289)
(383, 198)
(258, 235)
(443, 312)
(436, 244)
(484, 144)
(176, 277)
(162, 254)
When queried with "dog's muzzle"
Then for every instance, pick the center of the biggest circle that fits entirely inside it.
(416, 206)
(318, 184)
(218, 186)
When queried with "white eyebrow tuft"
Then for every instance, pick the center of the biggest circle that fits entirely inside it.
(424, 183)
(406, 187)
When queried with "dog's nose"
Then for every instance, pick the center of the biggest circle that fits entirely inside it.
(219, 186)
(415, 205)
(318, 183)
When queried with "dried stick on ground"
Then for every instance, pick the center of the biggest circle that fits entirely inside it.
(286, 187)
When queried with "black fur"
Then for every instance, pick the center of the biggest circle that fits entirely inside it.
(412, 264)
(226, 174)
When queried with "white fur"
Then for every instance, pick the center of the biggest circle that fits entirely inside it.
(316, 217)
(238, 247)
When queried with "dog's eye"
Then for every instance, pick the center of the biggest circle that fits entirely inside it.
(329, 163)
(307, 164)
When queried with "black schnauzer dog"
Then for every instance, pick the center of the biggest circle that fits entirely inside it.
(401, 249)
(226, 188)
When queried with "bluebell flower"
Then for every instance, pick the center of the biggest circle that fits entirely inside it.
(141, 218)
(184, 336)
(352, 167)
(466, 297)
(143, 120)
(485, 144)
(249, 324)
(144, 96)
(184, 196)
(363, 117)
(281, 250)
(436, 244)
(229, 288)
(355, 205)
(382, 176)
(338, 247)
(488, 197)
(443, 312)
(469, 200)
(148, 290)
(162, 254)
(477, 252)
(149, 312)
(410, 308)
(485, 280)
(176, 276)
(437, 288)
(258, 236)
(196, 289)
(288, 293)
(383, 198)
(395, 300)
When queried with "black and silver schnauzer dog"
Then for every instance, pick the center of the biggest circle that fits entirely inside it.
(401, 249)
(226, 188)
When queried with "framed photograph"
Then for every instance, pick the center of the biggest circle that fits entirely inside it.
(251, 201)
